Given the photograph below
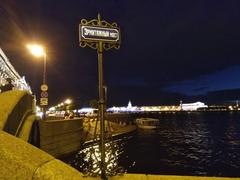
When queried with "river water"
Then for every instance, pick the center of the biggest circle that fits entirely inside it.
(197, 143)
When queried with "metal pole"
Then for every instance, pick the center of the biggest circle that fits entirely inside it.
(44, 80)
(101, 106)
(44, 67)
(105, 97)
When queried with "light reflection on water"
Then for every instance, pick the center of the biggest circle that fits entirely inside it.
(205, 144)
(88, 159)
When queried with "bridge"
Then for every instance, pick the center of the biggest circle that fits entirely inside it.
(19, 127)
(8, 71)
(17, 107)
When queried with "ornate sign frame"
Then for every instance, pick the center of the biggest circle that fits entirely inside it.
(99, 24)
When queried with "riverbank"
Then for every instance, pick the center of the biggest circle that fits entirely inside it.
(91, 129)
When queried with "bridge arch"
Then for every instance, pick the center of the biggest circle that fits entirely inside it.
(17, 113)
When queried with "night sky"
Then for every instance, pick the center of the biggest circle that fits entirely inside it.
(171, 50)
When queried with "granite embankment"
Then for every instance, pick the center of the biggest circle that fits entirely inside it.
(60, 137)
(21, 160)
(91, 129)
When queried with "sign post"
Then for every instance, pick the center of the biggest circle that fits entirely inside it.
(44, 98)
(100, 35)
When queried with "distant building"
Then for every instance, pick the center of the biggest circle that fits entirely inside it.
(129, 108)
(181, 107)
(192, 106)
(129, 105)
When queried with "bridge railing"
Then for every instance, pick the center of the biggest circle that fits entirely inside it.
(14, 119)
(8, 71)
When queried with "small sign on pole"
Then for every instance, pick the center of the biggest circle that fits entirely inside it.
(43, 101)
(44, 87)
(44, 94)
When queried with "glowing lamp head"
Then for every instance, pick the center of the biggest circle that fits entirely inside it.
(68, 101)
(36, 50)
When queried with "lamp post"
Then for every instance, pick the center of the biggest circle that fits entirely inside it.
(67, 102)
(38, 51)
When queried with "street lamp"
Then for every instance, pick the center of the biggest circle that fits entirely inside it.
(38, 51)
(68, 101)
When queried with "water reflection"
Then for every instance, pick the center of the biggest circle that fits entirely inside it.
(205, 144)
(88, 160)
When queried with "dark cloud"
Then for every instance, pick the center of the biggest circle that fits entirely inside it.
(197, 90)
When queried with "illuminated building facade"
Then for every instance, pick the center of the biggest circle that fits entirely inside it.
(193, 106)
(181, 107)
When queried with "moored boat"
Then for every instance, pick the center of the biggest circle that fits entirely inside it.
(147, 123)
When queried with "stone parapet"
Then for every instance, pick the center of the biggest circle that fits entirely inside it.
(61, 137)
(20, 160)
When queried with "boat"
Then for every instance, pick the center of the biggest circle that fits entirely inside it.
(147, 123)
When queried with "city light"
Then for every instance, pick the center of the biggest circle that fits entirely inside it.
(36, 50)
(68, 101)
(52, 109)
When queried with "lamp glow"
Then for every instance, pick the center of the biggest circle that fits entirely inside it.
(68, 101)
(36, 50)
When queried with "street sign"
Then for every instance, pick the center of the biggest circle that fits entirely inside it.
(100, 35)
(44, 87)
(44, 94)
(43, 101)
(95, 33)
